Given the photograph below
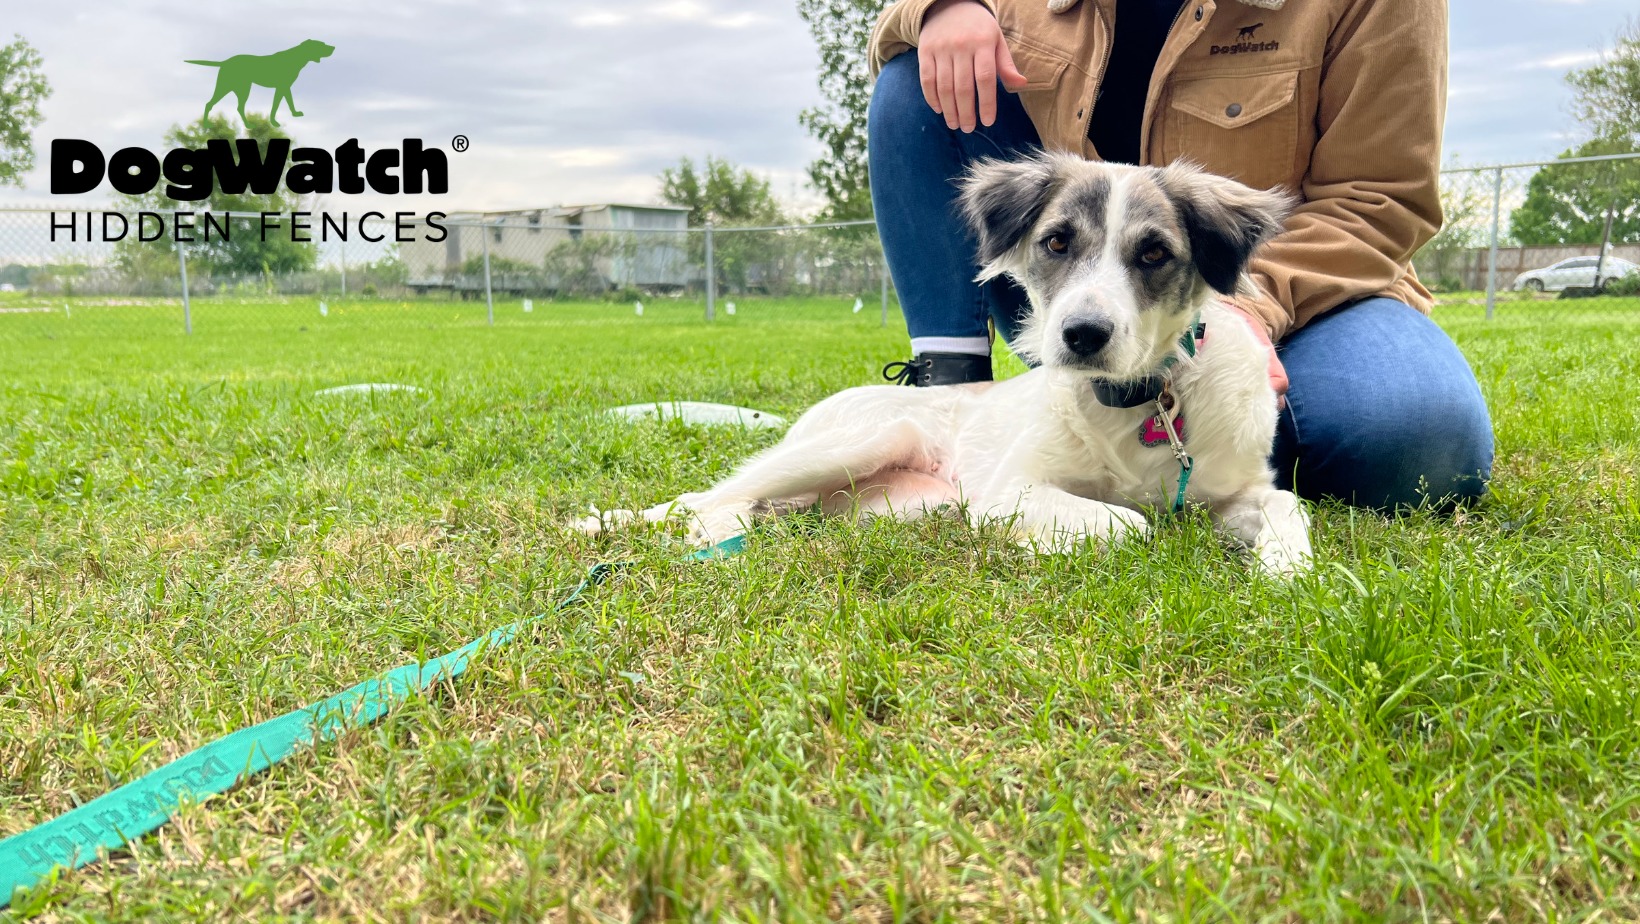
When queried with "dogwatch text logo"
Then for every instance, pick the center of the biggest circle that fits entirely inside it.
(244, 165)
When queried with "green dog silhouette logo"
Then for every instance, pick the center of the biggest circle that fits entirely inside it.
(277, 71)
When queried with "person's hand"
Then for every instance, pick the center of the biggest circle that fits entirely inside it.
(961, 50)
(1274, 368)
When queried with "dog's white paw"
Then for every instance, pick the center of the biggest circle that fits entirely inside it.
(1283, 560)
(1103, 526)
(1126, 524)
(603, 521)
(709, 527)
(1275, 527)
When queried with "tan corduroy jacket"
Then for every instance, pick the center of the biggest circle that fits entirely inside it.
(1340, 101)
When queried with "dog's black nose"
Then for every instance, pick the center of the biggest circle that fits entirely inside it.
(1086, 337)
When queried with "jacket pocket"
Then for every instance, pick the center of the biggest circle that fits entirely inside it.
(1043, 68)
(1244, 127)
(1045, 98)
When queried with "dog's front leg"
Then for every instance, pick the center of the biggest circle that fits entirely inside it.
(707, 522)
(1272, 524)
(283, 95)
(799, 470)
(1051, 519)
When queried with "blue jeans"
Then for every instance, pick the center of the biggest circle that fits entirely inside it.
(1383, 410)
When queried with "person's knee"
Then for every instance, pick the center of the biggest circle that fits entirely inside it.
(1400, 424)
(1435, 459)
(1389, 459)
(897, 99)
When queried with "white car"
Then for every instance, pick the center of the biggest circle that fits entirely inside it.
(1578, 272)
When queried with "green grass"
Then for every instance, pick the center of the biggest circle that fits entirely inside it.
(1547, 305)
(886, 722)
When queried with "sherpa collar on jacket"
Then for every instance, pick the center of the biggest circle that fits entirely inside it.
(1060, 6)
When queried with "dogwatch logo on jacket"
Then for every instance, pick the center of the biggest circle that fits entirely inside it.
(243, 165)
(1247, 42)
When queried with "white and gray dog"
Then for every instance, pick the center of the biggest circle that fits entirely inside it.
(1124, 267)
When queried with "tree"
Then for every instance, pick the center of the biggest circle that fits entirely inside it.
(842, 30)
(727, 196)
(1608, 92)
(1567, 203)
(246, 251)
(721, 193)
(23, 87)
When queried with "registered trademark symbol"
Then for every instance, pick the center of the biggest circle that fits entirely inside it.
(459, 143)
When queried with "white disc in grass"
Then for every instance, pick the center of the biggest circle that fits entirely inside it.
(529, 306)
(368, 388)
(324, 310)
(701, 412)
(730, 307)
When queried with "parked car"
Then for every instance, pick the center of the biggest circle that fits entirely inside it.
(1578, 272)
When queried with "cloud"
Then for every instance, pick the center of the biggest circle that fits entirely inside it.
(679, 10)
(561, 102)
(739, 20)
(1562, 61)
(576, 102)
(588, 157)
(598, 19)
(395, 103)
(695, 11)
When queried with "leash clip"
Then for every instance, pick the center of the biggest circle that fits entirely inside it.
(1167, 412)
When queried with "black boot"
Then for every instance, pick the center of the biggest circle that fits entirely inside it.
(927, 369)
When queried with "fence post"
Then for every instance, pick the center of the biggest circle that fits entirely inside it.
(489, 298)
(1605, 244)
(711, 276)
(341, 249)
(884, 266)
(187, 310)
(1492, 255)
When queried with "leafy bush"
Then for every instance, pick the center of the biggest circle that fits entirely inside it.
(1624, 286)
(474, 266)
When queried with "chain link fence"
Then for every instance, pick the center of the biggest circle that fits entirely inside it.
(133, 271)
(1540, 241)
(1535, 242)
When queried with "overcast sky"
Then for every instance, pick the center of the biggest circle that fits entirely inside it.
(586, 102)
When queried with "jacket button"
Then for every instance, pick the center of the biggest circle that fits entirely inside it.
(1233, 110)
(1198, 14)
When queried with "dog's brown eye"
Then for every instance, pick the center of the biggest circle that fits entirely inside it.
(1155, 256)
(1057, 244)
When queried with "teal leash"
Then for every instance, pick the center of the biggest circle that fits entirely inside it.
(1187, 342)
(109, 822)
(1167, 416)
(1185, 468)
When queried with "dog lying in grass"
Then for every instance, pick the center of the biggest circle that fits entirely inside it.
(1124, 267)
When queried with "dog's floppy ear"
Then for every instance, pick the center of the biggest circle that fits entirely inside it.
(1224, 220)
(1002, 199)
